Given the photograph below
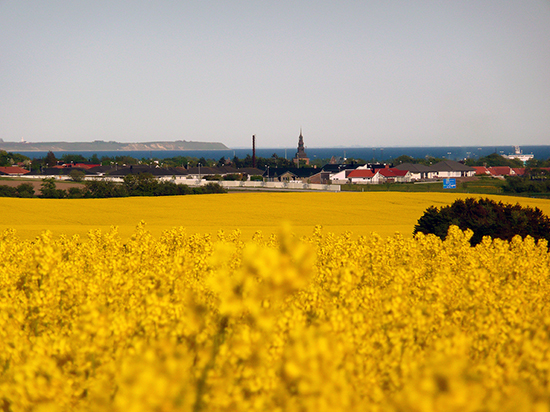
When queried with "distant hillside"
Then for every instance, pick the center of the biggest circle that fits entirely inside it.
(100, 145)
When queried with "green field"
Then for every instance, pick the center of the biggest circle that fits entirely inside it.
(483, 185)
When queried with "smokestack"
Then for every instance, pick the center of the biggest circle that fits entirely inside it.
(253, 150)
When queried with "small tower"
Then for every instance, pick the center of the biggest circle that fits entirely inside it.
(301, 153)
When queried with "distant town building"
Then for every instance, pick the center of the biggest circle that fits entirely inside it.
(301, 155)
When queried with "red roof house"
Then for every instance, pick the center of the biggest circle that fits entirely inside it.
(363, 176)
(481, 170)
(13, 170)
(519, 171)
(501, 171)
(394, 175)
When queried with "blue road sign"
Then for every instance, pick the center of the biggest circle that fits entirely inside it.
(449, 183)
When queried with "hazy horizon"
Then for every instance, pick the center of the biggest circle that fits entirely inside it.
(334, 146)
(358, 73)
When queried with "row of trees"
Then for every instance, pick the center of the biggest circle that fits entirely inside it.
(7, 159)
(143, 184)
(177, 161)
(428, 160)
(526, 184)
(494, 159)
(22, 190)
(51, 160)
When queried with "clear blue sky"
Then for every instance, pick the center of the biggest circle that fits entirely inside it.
(368, 73)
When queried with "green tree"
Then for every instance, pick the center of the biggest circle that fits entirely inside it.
(49, 189)
(142, 184)
(404, 159)
(127, 160)
(50, 159)
(104, 189)
(237, 162)
(95, 160)
(77, 175)
(75, 193)
(8, 158)
(73, 158)
(25, 190)
(8, 191)
(37, 165)
(210, 188)
(494, 159)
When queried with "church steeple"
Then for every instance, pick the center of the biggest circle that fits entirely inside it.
(301, 153)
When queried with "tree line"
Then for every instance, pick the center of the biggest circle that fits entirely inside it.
(50, 160)
(532, 182)
(143, 184)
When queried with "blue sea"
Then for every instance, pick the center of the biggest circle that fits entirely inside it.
(380, 154)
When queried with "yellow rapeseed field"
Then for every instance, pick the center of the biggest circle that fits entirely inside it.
(217, 320)
(361, 213)
(321, 323)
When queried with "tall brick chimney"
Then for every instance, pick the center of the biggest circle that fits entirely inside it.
(253, 150)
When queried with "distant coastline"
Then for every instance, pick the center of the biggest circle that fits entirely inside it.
(111, 146)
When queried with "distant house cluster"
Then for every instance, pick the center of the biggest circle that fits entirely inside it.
(403, 173)
(91, 171)
(383, 173)
(332, 173)
(502, 171)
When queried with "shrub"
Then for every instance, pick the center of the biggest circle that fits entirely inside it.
(233, 177)
(25, 190)
(104, 188)
(526, 184)
(8, 191)
(213, 188)
(213, 177)
(75, 193)
(142, 184)
(485, 217)
(167, 188)
(50, 191)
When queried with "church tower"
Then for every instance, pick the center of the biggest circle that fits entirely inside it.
(301, 155)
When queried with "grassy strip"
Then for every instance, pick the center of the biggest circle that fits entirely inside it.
(481, 186)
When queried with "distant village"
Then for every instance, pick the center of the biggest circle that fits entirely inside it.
(267, 172)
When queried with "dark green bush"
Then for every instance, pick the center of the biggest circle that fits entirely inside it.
(485, 217)
(75, 193)
(213, 188)
(233, 177)
(49, 190)
(213, 177)
(77, 175)
(25, 190)
(104, 189)
(8, 191)
(526, 184)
